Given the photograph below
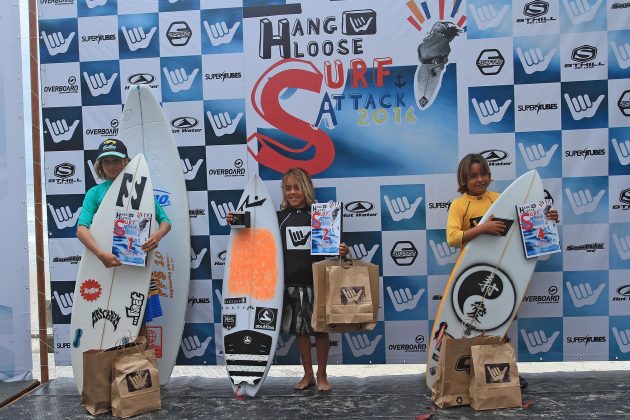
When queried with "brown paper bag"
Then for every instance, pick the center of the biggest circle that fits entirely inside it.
(135, 384)
(318, 319)
(494, 379)
(97, 368)
(450, 387)
(349, 294)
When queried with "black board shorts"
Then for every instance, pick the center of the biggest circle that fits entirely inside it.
(297, 310)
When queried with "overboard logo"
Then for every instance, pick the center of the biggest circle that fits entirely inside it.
(104, 132)
(624, 103)
(357, 209)
(178, 33)
(490, 62)
(70, 87)
(418, 347)
(194, 213)
(496, 157)
(266, 319)
(237, 171)
(551, 297)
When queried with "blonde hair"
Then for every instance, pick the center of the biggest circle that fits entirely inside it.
(304, 182)
(98, 167)
(463, 171)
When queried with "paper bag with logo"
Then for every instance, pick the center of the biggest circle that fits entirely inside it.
(96, 396)
(450, 387)
(135, 384)
(494, 377)
(349, 294)
(318, 319)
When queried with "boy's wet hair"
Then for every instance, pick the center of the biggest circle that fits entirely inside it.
(305, 183)
(463, 171)
(98, 167)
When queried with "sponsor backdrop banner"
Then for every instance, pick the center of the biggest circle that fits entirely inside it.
(378, 100)
(15, 328)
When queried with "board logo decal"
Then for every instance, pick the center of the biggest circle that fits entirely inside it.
(233, 301)
(265, 319)
(229, 321)
(483, 298)
(133, 311)
(154, 340)
(474, 222)
(90, 290)
(76, 343)
(123, 193)
(106, 314)
(248, 205)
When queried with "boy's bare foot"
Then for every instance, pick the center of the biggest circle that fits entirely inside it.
(323, 384)
(306, 382)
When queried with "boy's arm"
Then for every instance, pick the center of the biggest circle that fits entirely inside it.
(152, 242)
(108, 259)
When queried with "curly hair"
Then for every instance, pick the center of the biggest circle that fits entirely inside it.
(304, 182)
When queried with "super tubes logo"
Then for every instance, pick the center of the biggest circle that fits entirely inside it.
(310, 147)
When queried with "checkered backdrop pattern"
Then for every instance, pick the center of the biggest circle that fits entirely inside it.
(254, 86)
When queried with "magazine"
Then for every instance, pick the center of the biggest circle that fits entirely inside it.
(540, 234)
(131, 230)
(326, 228)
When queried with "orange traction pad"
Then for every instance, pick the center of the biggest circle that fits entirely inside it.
(253, 264)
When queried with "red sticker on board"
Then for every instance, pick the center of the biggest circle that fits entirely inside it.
(91, 290)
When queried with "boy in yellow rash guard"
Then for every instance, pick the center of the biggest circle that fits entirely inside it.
(465, 212)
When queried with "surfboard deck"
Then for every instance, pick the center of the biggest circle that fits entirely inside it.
(490, 278)
(145, 129)
(253, 289)
(109, 303)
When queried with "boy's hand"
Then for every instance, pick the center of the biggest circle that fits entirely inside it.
(552, 214)
(229, 218)
(151, 243)
(343, 250)
(493, 227)
(109, 260)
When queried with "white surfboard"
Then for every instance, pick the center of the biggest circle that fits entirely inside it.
(253, 287)
(490, 277)
(109, 303)
(144, 129)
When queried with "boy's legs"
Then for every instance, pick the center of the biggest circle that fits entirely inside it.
(304, 347)
(322, 343)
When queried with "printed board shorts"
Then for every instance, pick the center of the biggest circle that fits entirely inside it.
(297, 310)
